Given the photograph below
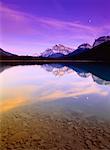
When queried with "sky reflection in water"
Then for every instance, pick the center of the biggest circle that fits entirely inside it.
(55, 85)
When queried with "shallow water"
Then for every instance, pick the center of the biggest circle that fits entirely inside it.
(56, 85)
(40, 104)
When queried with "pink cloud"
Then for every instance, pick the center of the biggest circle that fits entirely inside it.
(20, 27)
(32, 23)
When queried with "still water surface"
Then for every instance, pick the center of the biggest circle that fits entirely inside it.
(79, 88)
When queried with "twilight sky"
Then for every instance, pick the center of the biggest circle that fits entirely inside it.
(31, 26)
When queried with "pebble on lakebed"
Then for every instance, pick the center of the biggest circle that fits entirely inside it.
(26, 130)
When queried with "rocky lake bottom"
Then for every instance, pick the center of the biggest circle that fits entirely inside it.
(35, 128)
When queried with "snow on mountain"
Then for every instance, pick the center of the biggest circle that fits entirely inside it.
(62, 49)
(57, 69)
(85, 46)
(82, 48)
(101, 40)
(84, 74)
(57, 51)
(47, 53)
(61, 69)
(100, 81)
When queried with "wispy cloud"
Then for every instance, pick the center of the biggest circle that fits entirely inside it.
(35, 22)
(18, 26)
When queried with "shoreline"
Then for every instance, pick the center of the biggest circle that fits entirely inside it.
(52, 61)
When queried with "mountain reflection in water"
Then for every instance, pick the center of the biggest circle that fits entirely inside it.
(100, 73)
(70, 87)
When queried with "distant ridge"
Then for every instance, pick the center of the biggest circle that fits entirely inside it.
(99, 52)
(4, 53)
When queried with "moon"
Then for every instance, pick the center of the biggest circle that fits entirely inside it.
(89, 20)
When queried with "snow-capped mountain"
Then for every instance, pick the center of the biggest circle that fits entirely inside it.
(47, 53)
(61, 69)
(101, 40)
(57, 69)
(100, 51)
(57, 51)
(100, 81)
(82, 48)
(85, 46)
(62, 49)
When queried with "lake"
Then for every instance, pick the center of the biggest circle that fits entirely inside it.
(55, 106)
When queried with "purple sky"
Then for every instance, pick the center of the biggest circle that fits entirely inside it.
(31, 26)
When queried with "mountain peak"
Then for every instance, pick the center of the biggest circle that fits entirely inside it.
(57, 49)
(4, 53)
(101, 40)
(85, 46)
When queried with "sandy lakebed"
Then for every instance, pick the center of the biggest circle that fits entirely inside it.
(43, 128)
